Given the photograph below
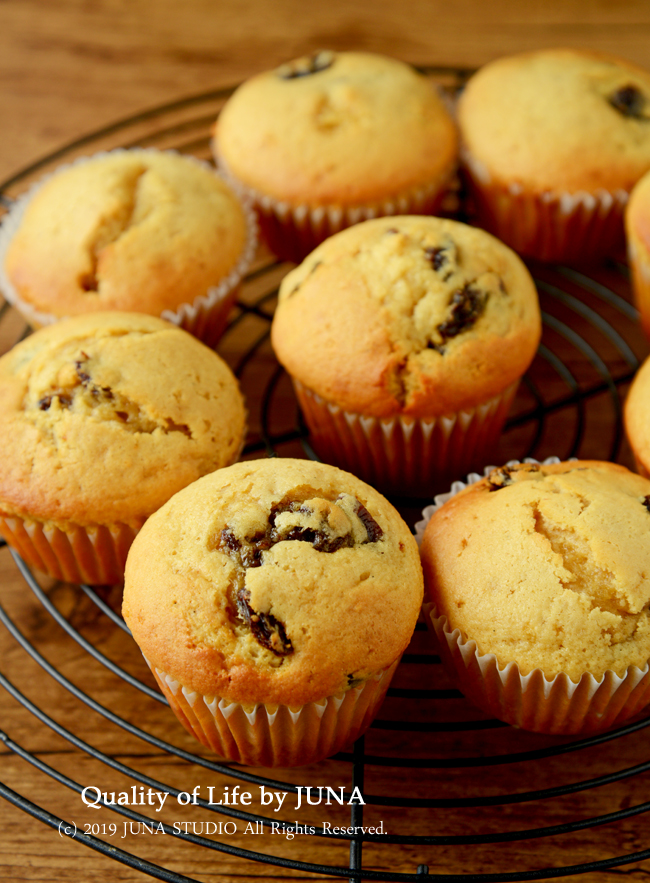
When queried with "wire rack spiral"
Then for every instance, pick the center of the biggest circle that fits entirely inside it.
(449, 787)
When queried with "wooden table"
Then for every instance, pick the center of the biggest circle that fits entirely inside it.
(70, 69)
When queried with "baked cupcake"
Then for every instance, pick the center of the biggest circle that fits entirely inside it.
(137, 230)
(103, 418)
(553, 142)
(406, 338)
(637, 418)
(637, 228)
(272, 601)
(335, 138)
(537, 585)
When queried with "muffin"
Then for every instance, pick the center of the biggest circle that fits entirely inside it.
(103, 418)
(137, 230)
(536, 583)
(637, 228)
(637, 418)
(553, 142)
(332, 139)
(273, 600)
(406, 338)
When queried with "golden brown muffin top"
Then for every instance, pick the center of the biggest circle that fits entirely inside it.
(558, 120)
(274, 581)
(336, 128)
(105, 416)
(140, 230)
(408, 315)
(547, 566)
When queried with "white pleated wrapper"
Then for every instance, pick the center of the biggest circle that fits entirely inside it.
(404, 455)
(557, 705)
(553, 226)
(95, 555)
(293, 231)
(207, 315)
(277, 735)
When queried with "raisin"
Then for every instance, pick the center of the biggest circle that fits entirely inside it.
(306, 67)
(373, 530)
(438, 257)
(629, 101)
(228, 541)
(65, 400)
(646, 502)
(267, 630)
(502, 477)
(83, 376)
(467, 305)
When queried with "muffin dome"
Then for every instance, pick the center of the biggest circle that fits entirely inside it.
(135, 230)
(339, 128)
(274, 581)
(559, 120)
(553, 142)
(408, 315)
(326, 141)
(105, 416)
(547, 566)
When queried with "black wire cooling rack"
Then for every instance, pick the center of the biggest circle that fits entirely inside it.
(448, 787)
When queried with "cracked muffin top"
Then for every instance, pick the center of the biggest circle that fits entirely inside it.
(336, 128)
(547, 566)
(558, 120)
(140, 230)
(277, 581)
(408, 315)
(105, 416)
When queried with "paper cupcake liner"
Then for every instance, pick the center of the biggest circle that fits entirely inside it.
(554, 226)
(206, 317)
(276, 735)
(404, 455)
(639, 261)
(94, 555)
(293, 232)
(555, 706)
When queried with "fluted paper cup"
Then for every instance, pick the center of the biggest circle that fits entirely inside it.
(277, 735)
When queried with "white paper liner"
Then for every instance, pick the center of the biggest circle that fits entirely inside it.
(557, 705)
(293, 231)
(404, 455)
(205, 317)
(551, 226)
(91, 555)
(276, 735)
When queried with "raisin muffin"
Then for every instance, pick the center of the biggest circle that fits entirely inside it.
(332, 139)
(553, 142)
(138, 230)
(104, 417)
(406, 338)
(637, 228)
(637, 418)
(552, 632)
(273, 600)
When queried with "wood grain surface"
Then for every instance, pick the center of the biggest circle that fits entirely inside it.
(71, 67)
